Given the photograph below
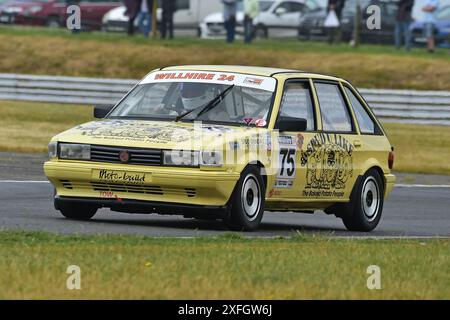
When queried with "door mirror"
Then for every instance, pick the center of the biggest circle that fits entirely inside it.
(101, 111)
(291, 124)
(280, 10)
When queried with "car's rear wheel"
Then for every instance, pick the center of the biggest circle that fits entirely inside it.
(77, 211)
(261, 32)
(53, 22)
(367, 203)
(247, 206)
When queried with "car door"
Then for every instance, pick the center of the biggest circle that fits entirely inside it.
(284, 19)
(297, 102)
(329, 157)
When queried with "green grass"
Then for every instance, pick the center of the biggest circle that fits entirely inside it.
(28, 126)
(57, 52)
(33, 266)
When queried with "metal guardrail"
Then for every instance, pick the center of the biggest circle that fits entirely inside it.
(401, 106)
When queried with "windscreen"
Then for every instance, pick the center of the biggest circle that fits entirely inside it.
(225, 98)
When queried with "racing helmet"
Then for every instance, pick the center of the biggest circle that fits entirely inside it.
(194, 95)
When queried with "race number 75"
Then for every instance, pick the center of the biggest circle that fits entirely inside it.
(287, 163)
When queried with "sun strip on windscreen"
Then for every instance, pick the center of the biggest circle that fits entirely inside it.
(242, 80)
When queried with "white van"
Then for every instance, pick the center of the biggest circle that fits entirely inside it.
(188, 16)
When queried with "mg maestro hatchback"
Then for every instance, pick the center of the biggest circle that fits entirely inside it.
(227, 142)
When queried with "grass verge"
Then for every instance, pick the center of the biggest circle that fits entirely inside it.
(58, 52)
(28, 126)
(33, 266)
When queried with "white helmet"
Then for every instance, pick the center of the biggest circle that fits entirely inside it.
(195, 95)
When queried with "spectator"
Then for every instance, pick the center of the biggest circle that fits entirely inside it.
(251, 11)
(403, 20)
(430, 10)
(132, 10)
(229, 15)
(334, 34)
(168, 9)
(145, 16)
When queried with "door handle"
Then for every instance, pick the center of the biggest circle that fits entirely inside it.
(357, 143)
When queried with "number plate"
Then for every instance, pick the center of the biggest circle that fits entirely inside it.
(121, 176)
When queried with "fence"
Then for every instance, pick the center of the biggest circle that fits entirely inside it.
(401, 106)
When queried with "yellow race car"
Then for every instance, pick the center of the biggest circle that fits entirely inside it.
(227, 142)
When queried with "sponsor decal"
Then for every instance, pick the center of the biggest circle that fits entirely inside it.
(329, 165)
(254, 81)
(285, 140)
(238, 79)
(286, 184)
(248, 120)
(260, 122)
(300, 140)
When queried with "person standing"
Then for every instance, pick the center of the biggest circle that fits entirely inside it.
(251, 11)
(334, 33)
(168, 9)
(403, 20)
(229, 16)
(132, 10)
(430, 10)
(145, 17)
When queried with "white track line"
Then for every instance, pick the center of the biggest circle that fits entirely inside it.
(22, 181)
(422, 186)
(397, 185)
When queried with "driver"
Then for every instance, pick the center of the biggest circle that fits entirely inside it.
(194, 95)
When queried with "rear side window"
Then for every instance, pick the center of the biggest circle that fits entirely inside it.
(335, 115)
(297, 103)
(366, 124)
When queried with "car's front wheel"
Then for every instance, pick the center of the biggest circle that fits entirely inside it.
(77, 211)
(247, 206)
(367, 203)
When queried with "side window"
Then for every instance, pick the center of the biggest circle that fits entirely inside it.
(335, 115)
(183, 4)
(297, 7)
(297, 103)
(284, 5)
(366, 124)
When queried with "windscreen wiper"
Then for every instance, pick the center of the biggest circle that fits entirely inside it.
(208, 106)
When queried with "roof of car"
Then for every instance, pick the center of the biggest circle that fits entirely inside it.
(259, 71)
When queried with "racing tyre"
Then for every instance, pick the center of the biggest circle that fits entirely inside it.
(247, 207)
(261, 32)
(77, 212)
(53, 22)
(366, 203)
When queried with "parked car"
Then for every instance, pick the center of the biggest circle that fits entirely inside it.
(312, 24)
(441, 31)
(277, 19)
(53, 13)
(8, 10)
(227, 142)
(187, 17)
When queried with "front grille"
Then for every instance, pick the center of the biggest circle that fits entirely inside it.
(127, 188)
(137, 156)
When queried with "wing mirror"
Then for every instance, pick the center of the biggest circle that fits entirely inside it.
(291, 124)
(101, 111)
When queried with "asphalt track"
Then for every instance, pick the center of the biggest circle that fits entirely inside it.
(412, 210)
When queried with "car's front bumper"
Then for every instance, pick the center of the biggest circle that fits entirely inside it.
(168, 185)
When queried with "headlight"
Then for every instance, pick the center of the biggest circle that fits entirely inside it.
(212, 158)
(181, 158)
(53, 149)
(74, 151)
